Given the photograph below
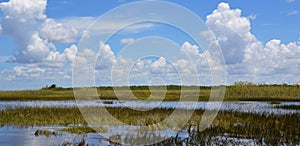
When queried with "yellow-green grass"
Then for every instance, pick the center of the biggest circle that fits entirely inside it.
(79, 129)
(37, 95)
(252, 92)
(237, 92)
(41, 116)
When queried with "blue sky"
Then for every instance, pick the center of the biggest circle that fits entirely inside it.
(274, 19)
(260, 41)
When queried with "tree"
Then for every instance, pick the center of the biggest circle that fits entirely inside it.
(53, 86)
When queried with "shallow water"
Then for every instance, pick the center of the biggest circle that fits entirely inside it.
(11, 136)
(240, 106)
(15, 136)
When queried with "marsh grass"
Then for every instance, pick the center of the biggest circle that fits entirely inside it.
(80, 129)
(139, 118)
(272, 129)
(41, 116)
(37, 95)
(238, 92)
(264, 129)
(251, 92)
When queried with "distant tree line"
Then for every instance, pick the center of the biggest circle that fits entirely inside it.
(174, 87)
(54, 87)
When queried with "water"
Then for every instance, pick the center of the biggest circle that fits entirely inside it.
(239, 106)
(11, 135)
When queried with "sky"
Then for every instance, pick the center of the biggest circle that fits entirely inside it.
(42, 43)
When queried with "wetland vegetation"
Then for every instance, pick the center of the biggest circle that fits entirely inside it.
(268, 128)
(229, 127)
(240, 91)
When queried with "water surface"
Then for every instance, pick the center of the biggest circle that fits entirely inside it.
(238, 106)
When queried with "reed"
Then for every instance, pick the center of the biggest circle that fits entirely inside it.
(268, 128)
(252, 92)
(41, 116)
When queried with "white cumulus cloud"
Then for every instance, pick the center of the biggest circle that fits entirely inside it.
(58, 32)
(246, 57)
(35, 34)
(232, 31)
(106, 56)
